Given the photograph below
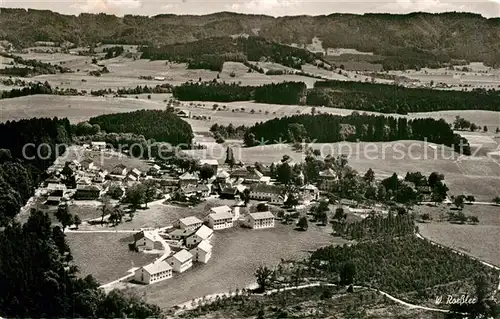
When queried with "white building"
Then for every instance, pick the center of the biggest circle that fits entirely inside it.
(260, 220)
(190, 223)
(157, 271)
(181, 261)
(220, 220)
(135, 173)
(271, 193)
(98, 146)
(147, 240)
(203, 233)
(202, 252)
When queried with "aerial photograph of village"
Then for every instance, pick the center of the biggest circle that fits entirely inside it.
(250, 159)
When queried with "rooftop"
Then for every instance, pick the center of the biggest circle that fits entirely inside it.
(190, 220)
(263, 188)
(204, 232)
(156, 267)
(221, 215)
(205, 246)
(188, 175)
(181, 232)
(221, 209)
(183, 256)
(209, 162)
(261, 215)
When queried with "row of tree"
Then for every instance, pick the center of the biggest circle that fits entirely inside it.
(152, 124)
(40, 280)
(326, 128)
(31, 67)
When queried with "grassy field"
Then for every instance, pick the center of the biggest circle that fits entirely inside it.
(236, 254)
(75, 108)
(105, 255)
(481, 241)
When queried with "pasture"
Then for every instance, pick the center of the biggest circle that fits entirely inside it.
(481, 241)
(106, 256)
(236, 254)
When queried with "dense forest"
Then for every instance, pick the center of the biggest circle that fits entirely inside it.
(281, 93)
(39, 280)
(326, 128)
(213, 91)
(213, 52)
(387, 98)
(22, 168)
(376, 227)
(401, 265)
(382, 98)
(113, 52)
(462, 36)
(161, 126)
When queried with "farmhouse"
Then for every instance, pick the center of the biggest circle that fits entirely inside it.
(181, 234)
(119, 169)
(203, 233)
(260, 220)
(210, 162)
(310, 190)
(326, 179)
(224, 209)
(56, 189)
(53, 200)
(87, 192)
(154, 272)
(271, 193)
(183, 113)
(228, 192)
(97, 146)
(188, 178)
(135, 173)
(147, 240)
(190, 223)
(88, 164)
(220, 220)
(181, 261)
(202, 252)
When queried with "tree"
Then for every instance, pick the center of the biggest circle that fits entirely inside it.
(470, 198)
(496, 200)
(230, 158)
(284, 174)
(302, 224)
(115, 192)
(369, 176)
(458, 201)
(64, 217)
(105, 207)
(136, 195)
(485, 129)
(473, 219)
(339, 214)
(263, 275)
(381, 193)
(497, 130)
(77, 221)
(150, 190)
(291, 201)
(474, 127)
(245, 196)
(207, 172)
(262, 207)
(347, 273)
(116, 215)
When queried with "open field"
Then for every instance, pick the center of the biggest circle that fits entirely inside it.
(236, 254)
(481, 241)
(75, 108)
(105, 255)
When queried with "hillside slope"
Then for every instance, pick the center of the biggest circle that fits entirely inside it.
(422, 35)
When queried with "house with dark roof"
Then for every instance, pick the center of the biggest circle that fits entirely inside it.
(271, 193)
(327, 178)
(87, 192)
(119, 169)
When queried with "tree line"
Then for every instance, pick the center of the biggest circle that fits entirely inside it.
(31, 67)
(113, 52)
(387, 98)
(161, 126)
(37, 271)
(327, 128)
(34, 88)
(211, 53)
(20, 173)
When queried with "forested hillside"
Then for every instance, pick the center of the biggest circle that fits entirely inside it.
(326, 128)
(161, 126)
(22, 168)
(402, 40)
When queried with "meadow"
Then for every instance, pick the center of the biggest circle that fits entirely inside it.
(106, 256)
(481, 240)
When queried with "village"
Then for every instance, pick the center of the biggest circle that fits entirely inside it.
(252, 198)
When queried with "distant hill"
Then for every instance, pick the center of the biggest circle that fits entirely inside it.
(421, 38)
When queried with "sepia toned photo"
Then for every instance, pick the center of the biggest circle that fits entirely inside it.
(250, 159)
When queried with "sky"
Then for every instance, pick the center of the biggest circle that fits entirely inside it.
(487, 8)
